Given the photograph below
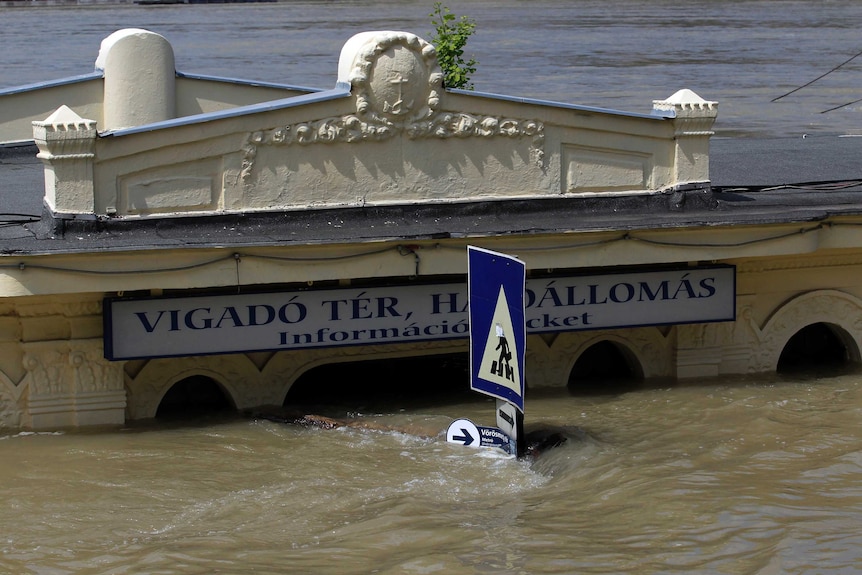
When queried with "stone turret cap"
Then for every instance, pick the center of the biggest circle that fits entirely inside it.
(687, 103)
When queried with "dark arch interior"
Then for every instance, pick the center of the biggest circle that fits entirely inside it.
(385, 383)
(195, 395)
(812, 347)
(603, 368)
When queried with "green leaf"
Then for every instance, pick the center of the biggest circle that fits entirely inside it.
(451, 35)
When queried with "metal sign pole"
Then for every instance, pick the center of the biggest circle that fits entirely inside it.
(498, 340)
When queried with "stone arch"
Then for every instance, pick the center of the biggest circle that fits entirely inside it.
(195, 394)
(286, 367)
(818, 345)
(840, 311)
(234, 373)
(550, 360)
(623, 348)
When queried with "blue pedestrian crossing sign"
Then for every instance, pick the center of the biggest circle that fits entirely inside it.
(498, 333)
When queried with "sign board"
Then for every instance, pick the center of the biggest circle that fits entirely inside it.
(509, 420)
(465, 432)
(498, 336)
(145, 327)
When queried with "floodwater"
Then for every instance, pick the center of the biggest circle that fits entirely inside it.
(619, 54)
(745, 477)
(730, 476)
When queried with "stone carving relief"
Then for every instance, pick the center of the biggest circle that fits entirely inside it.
(47, 372)
(92, 372)
(350, 129)
(397, 85)
(10, 407)
(396, 79)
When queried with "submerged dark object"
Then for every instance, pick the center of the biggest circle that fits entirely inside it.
(303, 418)
(541, 440)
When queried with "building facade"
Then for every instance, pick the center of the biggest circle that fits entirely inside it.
(193, 227)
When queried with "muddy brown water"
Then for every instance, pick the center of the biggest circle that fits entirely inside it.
(736, 476)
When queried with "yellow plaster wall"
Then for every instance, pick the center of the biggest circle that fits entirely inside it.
(53, 374)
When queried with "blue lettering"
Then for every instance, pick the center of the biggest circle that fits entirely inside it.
(190, 319)
(708, 285)
(252, 314)
(230, 312)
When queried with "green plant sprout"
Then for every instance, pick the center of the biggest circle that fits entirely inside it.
(451, 36)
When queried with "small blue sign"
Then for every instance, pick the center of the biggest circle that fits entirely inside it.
(498, 334)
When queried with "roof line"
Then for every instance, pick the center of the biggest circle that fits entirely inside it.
(655, 115)
(340, 91)
(98, 74)
(254, 83)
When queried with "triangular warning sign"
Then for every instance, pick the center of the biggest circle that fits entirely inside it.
(500, 359)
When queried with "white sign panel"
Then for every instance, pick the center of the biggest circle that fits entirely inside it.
(233, 323)
(465, 432)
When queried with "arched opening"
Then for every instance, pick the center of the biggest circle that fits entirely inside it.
(605, 367)
(194, 396)
(816, 346)
(384, 384)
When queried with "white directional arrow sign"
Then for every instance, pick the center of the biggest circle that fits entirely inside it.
(463, 432)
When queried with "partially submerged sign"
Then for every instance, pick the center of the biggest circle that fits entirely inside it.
(498, 341)
(498, 336)
(465, 432)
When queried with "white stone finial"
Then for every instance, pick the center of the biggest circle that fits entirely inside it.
(65, 119)
(687, 103)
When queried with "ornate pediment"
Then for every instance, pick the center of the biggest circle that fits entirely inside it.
(397, 86)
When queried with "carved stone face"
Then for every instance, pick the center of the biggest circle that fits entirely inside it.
(397, 85)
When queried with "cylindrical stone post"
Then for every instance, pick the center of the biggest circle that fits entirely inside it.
(140, 78)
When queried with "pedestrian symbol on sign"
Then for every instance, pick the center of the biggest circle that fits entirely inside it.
(499, 362)
(503, 362)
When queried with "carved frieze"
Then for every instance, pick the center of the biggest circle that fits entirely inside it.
(46, 371)
(10, 411)
(352, 128)
(92, 372)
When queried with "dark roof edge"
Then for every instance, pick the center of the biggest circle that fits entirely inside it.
(307, 224)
